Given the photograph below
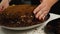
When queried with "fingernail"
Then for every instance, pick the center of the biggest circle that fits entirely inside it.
(34, 12)
(36, 16)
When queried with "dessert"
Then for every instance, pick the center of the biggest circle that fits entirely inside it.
(19, 16)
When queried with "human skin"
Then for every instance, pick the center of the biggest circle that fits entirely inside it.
(43, 9)
(4, 4)
(40, 12)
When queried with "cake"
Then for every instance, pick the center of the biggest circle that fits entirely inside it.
(19, 16)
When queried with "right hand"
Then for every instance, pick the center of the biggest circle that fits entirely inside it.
(43, 9)
(4, 5)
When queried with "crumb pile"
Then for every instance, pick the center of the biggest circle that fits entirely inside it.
(19, 16)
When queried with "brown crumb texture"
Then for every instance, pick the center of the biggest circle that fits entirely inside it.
(19, 16)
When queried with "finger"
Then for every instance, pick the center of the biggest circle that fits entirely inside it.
(45, 10)
(0, 8)
(38, 14)
(43, 15)
(37, 9)
(4, 7)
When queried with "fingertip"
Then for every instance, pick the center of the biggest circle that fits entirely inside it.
(43, 18)
(34, 11)
(36, 16)
(39, 18)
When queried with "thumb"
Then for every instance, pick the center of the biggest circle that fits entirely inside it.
(4, 7)
(1, 8)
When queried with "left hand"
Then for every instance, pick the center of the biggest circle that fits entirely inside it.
(4, 4)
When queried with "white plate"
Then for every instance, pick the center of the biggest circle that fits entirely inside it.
(30, 27)
(22, 28)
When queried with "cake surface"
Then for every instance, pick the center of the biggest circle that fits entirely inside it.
(19, 16)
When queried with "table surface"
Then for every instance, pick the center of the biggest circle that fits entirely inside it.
(38, 30)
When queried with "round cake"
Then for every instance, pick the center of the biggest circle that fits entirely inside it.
(19, 16)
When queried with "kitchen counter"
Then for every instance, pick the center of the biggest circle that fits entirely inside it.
(38, 30)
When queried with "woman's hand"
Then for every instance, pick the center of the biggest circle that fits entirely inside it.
(43, 9)
(4, 4)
